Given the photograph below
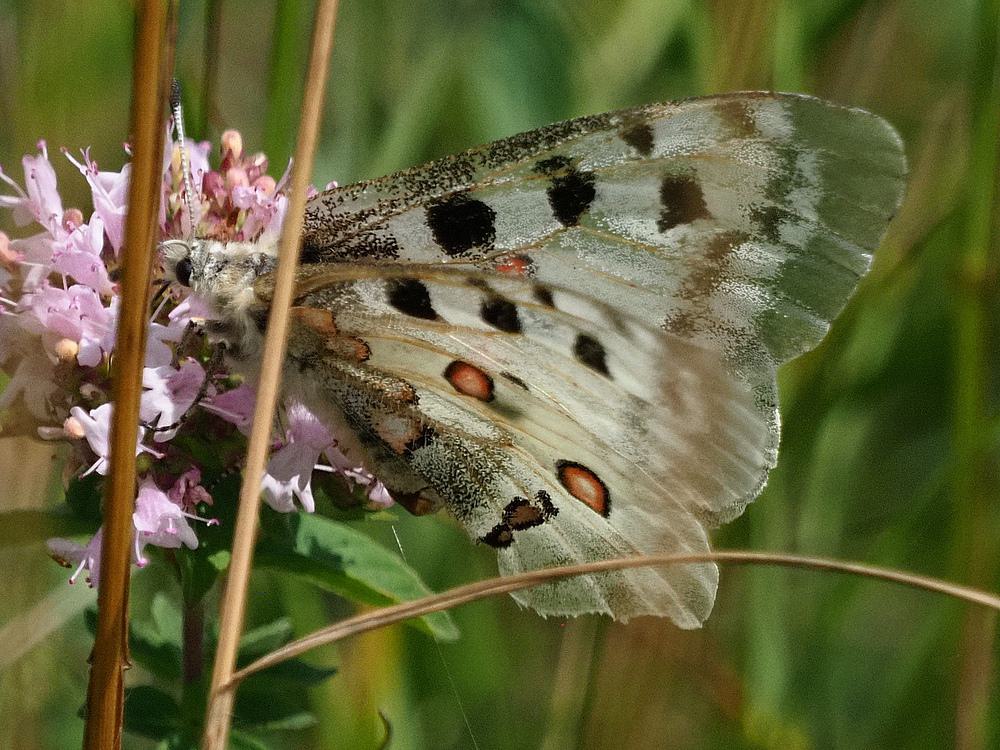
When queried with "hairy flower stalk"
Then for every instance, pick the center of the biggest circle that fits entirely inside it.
(58, 315)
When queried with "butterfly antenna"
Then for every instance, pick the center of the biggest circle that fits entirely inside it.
(178, 113)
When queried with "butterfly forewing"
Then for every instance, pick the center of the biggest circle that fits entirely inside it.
(569, 337)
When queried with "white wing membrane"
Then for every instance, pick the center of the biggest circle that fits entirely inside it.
(570, 336)
(632, 452)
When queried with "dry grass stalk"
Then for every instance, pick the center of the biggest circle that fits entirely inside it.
(234, 598)
(506, 584)
(110, 659)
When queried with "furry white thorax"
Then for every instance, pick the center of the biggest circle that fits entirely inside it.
(222, 274)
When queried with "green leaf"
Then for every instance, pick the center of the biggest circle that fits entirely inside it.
(219, 559)
(199, 571)
(175, 742)
(259, 641)
(33, 626)
(167, 617)
(148, 648)
(295, 671)
(83, 495)
(242, 741)
(31, 526)
(200, 568)
(292, 722)
(261, 706)
(339, 559)
(150, 712)
(183, 740)
(155, 642)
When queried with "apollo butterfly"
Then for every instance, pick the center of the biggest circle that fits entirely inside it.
(569, 337)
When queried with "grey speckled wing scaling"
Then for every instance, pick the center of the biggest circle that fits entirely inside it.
(560, 303)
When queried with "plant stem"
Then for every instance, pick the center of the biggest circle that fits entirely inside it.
(506, 584)
(152, 63)
(220, 703)
(975, 499)
(283, 102)
(210, 74)
(194, 641)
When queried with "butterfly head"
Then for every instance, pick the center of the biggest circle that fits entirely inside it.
(183, 260)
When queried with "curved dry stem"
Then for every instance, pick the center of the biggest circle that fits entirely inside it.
(507, 584)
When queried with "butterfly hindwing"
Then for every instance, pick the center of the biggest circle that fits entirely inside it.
(549, 450)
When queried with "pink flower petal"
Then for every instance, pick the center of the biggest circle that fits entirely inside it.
(160, 521)
(171, 393)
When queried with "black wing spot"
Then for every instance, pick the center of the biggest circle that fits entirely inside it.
(682, 200)
(544, 295)
(501, 314)
(411, 297)
(570, 195)
(639, 137)
(499, 537)
(552, 165)
(460, 223)
(591, 352)
(520, 514)
(770, 219)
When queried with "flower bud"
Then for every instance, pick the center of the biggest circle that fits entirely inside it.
(47, 432)
(66, 350)
(72, 218)
(212, 184)
(8, 256)
(266, 184)
(232, 142)
(72, 428)
(236, 177)
(143, 463)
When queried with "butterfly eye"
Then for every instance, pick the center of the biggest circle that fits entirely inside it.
(182, 271)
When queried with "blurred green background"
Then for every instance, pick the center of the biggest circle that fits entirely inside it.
(889, 450)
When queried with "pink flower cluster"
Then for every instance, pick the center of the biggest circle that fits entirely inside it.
(58, 315)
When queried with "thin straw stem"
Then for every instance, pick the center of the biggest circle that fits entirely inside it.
(506, 584)
(973, 482)
(234, 599)
(110, 659)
